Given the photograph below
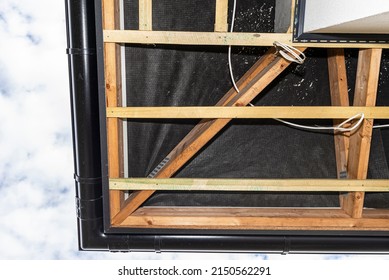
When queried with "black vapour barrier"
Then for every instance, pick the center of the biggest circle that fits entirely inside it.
(158, 75)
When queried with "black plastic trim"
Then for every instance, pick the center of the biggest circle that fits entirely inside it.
(78, 51)
(102, 104)
(87, 180)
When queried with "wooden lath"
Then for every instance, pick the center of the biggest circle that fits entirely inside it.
(220, 38)
(221, 16)
(268, 112)
(112, 62)
(366, 86)
(349, 217)
(250, 185)
(339, 97)
(195, 38)
(145, 15)
(256, 219)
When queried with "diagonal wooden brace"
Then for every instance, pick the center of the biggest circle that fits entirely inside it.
(261, 74)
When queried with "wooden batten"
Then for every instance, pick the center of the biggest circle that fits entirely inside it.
(195, 38)
(113, 97)
(255, 219)
(241, 112)
(145, 15)
(221, 16)
(221, 38)
(339, 97)
(365, 95)
(251, 185)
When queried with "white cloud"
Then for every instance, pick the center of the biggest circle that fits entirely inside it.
(37, 198)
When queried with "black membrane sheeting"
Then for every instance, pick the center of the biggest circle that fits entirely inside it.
(170, 75)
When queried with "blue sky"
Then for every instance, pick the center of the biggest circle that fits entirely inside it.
(37, 199)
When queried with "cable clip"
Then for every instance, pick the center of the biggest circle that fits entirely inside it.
(289, 53)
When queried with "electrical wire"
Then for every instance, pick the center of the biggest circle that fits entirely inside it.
(294, 55)
(289, 53)
(338, 128)
(230, 48)
(381, 126)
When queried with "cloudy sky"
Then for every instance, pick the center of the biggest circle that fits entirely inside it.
(37, 204)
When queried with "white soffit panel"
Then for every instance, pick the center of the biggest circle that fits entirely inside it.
(347, 16)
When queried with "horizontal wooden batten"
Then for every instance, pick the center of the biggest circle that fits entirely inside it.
(255, 219)
(287, 185)
(222, 38)
(260, 112)
(292, 212)
(195, 38)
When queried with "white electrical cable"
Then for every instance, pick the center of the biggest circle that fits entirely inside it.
(230, 47)
(355, 126)
(294, 55)
(381, 126)
(290, 53)
(338, 128)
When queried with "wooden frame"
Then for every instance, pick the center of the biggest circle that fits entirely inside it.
(351, 151)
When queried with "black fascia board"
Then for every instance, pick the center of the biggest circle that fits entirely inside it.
(87, 94)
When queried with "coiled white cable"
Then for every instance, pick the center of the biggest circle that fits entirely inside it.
(289, 53)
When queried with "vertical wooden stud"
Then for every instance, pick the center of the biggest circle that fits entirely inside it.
(365, 95)
(145, 15)
(221, 16)
(339, 97)
(113, 98)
